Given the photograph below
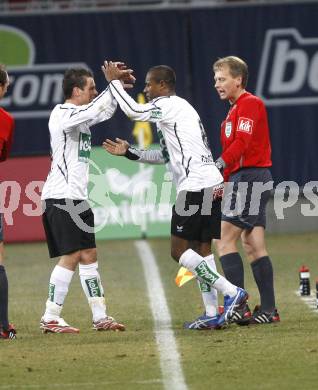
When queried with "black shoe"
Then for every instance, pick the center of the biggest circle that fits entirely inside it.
(263, 317)
(242, 315)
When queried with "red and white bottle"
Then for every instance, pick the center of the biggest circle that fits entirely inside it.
(304, 280)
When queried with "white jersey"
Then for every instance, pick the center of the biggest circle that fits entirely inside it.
(184, 146)
(70, 137)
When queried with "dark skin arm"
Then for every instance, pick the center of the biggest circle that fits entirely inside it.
(118, 147)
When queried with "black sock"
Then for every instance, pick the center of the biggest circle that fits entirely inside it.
(232, 266)
(263, 274)
(3, 298)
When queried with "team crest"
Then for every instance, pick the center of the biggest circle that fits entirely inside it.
(228, 129)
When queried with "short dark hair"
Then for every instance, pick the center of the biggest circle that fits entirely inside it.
(74, 77)
(3, 74)
(236, 65)
(164, 73)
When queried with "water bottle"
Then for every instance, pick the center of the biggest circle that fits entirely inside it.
(304, 280)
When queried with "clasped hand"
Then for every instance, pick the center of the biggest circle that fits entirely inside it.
(117, 70)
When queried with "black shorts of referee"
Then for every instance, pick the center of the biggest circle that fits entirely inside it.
(246, 196)
(68, 225)
(196, 216)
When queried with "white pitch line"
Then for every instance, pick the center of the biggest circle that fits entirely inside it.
(78, 385)
(171, 369)
(309, 300)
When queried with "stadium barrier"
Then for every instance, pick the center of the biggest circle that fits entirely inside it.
(130, 200)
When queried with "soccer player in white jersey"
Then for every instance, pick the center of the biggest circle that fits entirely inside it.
(68, 220)
(185, 150)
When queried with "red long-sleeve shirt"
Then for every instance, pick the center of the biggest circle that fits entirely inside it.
(6, 133)
(245, 135)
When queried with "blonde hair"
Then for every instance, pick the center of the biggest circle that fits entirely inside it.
(237, 67)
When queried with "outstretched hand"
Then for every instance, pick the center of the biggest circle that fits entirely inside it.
(118, 147)
(118, 71)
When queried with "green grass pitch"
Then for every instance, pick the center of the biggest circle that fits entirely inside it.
(281, 356)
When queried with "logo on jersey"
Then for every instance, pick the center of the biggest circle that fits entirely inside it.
(245, 125)
(156, 114)
(228, 129)
(288, 68)
(84, 147)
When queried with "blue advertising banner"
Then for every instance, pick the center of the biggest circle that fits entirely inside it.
(38, 48)
(279, 43)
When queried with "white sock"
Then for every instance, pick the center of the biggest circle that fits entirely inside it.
(58, 288)
(209, 294)
(197, 265)
(93, 289)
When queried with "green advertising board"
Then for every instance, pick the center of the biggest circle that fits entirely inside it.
(129, 199)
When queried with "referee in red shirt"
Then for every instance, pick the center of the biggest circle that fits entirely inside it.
(7, 330)
(245, 162)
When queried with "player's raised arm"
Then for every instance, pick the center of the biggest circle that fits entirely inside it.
(119, 71)
(143, 112)
(86, 106)
(99, 110)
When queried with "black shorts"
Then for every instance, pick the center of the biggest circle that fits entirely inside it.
(246, 197)
(67, 232)
(204, 224)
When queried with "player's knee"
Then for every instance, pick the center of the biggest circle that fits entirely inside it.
(254, 252)
(70, 261)
(89, 256)
(258, 253)
(224, 247)
(248, 249)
